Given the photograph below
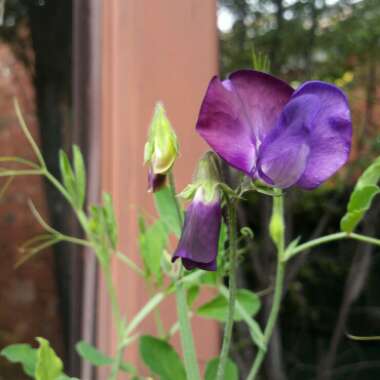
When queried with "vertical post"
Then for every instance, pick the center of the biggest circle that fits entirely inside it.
(152, 50)
(86, 99)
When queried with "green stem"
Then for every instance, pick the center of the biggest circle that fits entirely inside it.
(130, 263)
(278, 237)
(144, 312)
(190, 358)
(14, 173)
(27, 134)
(118, 321)
(187, 341)
(232, 291)
(329, 238)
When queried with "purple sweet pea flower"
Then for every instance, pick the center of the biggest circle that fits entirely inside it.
(262, 127)
(198, 245)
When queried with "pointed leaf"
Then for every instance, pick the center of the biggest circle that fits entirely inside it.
(80, 175)
(110, 219)
(362, 196)
(49, 366)
(24, 354)
(98, 358)
(68, 177)
(92, 354)
(192, 294)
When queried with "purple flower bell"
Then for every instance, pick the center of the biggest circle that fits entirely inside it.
(198, 245)
(262, 127)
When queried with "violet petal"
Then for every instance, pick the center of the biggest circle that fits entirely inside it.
(311, 140)
(237, 113)
(198, 245)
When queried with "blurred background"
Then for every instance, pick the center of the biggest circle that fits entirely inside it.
(48, 57)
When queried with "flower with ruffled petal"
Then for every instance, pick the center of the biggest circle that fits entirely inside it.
(161, 149)
(262, 127)
(198, 245)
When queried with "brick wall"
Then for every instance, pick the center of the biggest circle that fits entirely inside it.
(28, 294)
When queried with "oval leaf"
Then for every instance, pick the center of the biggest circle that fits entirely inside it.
(161, 358)
(217, 308)
(92, 354)
(167, 209)
(231, 371)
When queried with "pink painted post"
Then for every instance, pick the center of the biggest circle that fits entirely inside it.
(152, 50)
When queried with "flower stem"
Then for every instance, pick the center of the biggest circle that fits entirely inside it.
(279, 283)
(187, 341)
(232, 290)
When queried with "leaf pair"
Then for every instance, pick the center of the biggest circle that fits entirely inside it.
(74, 177)
(40, 363)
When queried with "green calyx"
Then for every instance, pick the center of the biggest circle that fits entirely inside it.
(207, 180)
(161, 149)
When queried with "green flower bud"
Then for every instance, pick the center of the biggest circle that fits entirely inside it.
(207, 177)
(161, 149)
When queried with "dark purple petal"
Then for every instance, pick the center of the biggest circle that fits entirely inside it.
(263, 98)
(189, 265)
(198, 245)
(311, 141)
(237, 113)
(155, 181)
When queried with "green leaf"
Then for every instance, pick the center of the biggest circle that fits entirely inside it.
(152, 244)
(231, 371)
(217, 308)
(128, 368)
(110, 219)
(161, 358)
(24, 354)
(362, 196)
(192, 294)
(166, 207)
(254, 328)
(92, 354)
(98, 358)
(80, 175)
(68, 177)
(49, 366)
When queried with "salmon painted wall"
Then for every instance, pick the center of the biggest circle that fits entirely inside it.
(152, 50)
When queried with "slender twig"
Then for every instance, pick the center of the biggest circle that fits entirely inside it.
(279, 283)
(330, 238)
(130, 263)
(27, 134)
(231, 209)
